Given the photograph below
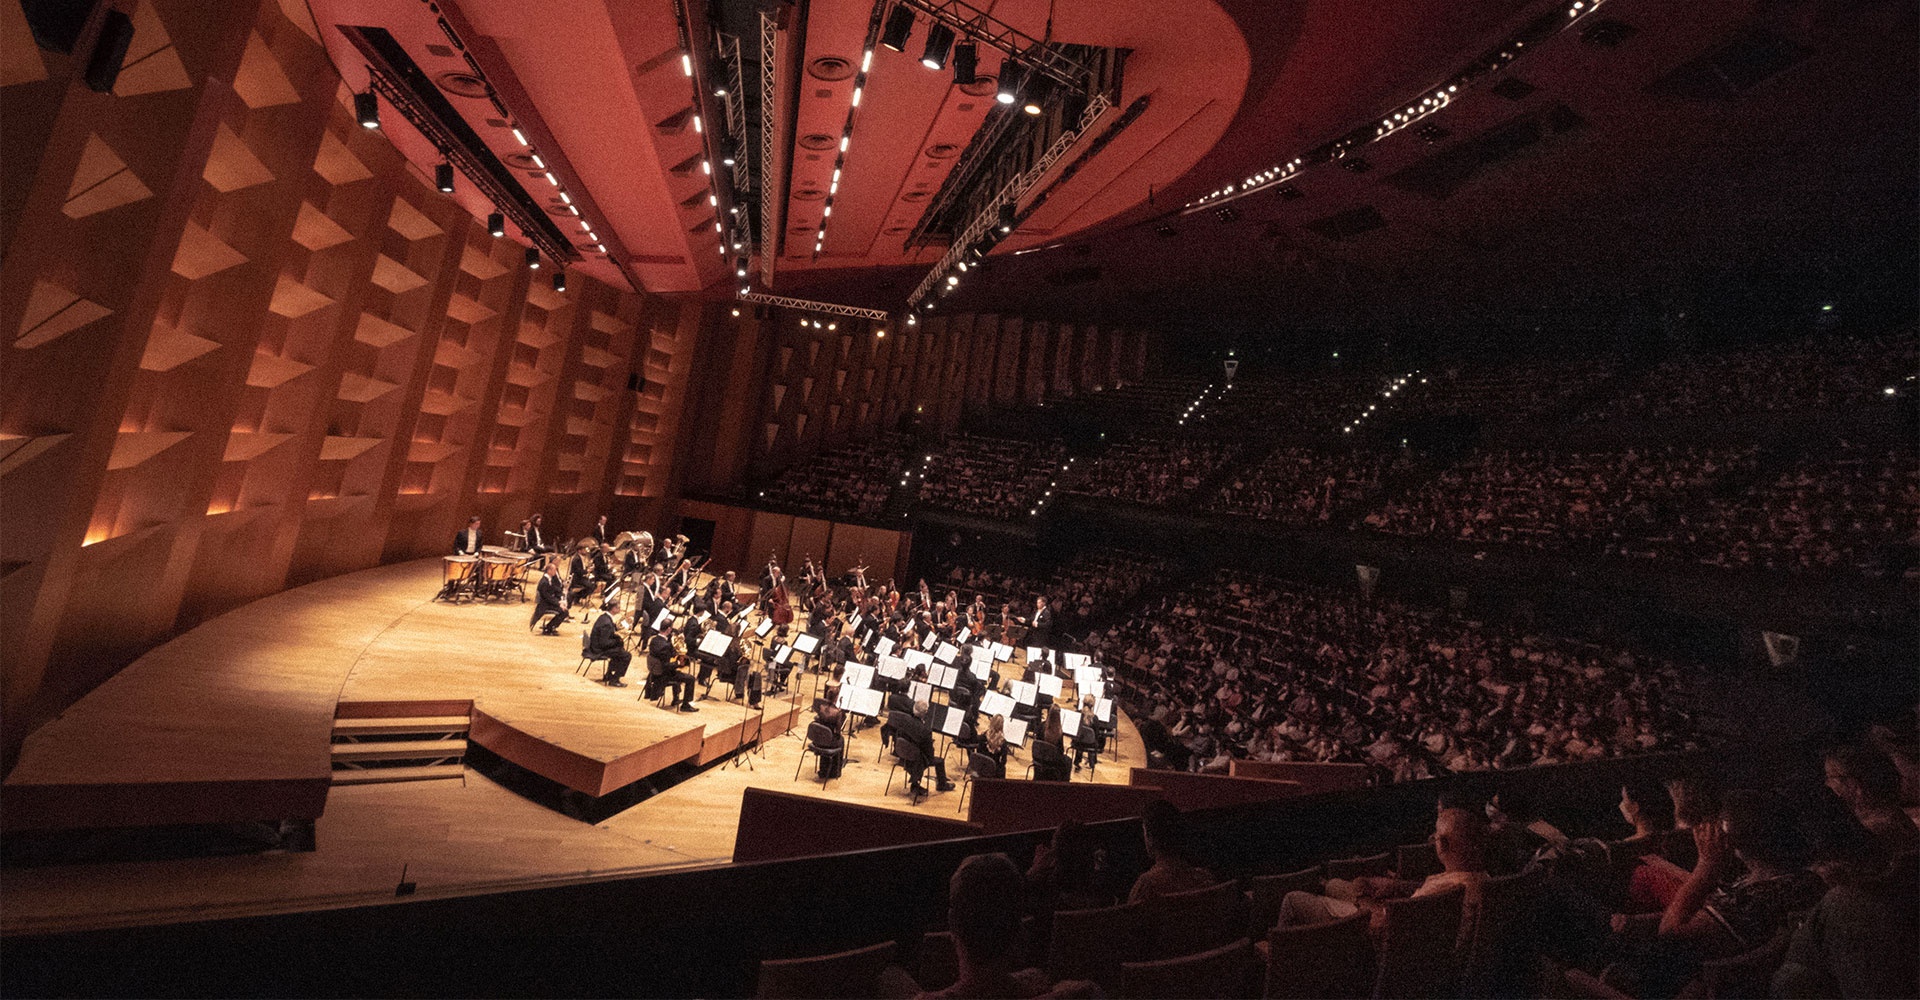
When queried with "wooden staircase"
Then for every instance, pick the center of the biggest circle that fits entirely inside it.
(373, 746)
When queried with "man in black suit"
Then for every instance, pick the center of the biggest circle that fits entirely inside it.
(1041, 632)
(601, 535)
(467, 543)
(649, 605)
(580, 571)
(534, 542)
(913, 729)
(604, 643)
(728, 593)
(550, 598)
(661, 672)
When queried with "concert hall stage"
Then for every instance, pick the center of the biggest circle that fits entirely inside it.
(235, 721)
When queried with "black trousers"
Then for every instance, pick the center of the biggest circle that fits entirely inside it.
(617, 663)
(681, 683)
(918, 771)
(543, 610)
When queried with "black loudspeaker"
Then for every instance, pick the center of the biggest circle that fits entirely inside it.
(116, 33)
(56, 24)
(636, 382)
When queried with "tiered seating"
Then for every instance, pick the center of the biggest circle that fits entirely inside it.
(1849, 509)
(1152, 471)
(853, 481)
(1302, 484)
(1092, 580)
(1822, 373)
(1514, 391)
(992, 477)
(1593, 502)
(1249, 667)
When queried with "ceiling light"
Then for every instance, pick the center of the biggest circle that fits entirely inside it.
(706, 167)
(953, 279)
(1006, 217)
(496, 224)
(939, 43)
(1038, 89)
(966, 64)
(533, 259)
(899, 26)
(559, 281)
(697, 127)
(856, 96)
(866, 60)
(844, 140)
(366, 108)
(537, 161)
(1011, 76)
(727, 160)
(443, 177)
(686, 64)
(720, 92)
(519, 137)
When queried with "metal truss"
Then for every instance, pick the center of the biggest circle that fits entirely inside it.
(970, 22)
(769, 223)
(811, 305)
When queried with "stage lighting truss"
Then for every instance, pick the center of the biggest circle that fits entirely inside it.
(1429, 102)
(719, 144)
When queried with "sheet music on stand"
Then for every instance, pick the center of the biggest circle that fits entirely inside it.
(883, 647)
(1025, 693)
(806, 642)
(1035, 656)
(943, 677)
(893, 668)
(927, 643)
(761, 630)
(919, 658)
(1017, 732)
(856, 621)
(946, 652)
(1002, 653)
(860, 701)
(660, 620)
(994, 703)
(1103, 710)
(781, 655)
(715, 644)
(1076, 661)
(980, 669)
(1069, 722)
(857, 675)
(1085, 676)
(919, 691)
(1092, 687)
(966, 633)
(1049, 684)
(951, 719)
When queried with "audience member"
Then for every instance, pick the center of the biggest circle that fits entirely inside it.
(1166, 835)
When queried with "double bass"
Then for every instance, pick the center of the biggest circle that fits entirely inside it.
(779, 604)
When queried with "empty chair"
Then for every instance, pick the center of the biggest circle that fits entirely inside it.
(1264, 893)
(853, 973)
(1187, 923)
(979, 765)
(1225, 972)
(1333, 960)
(1091, 944)
(1417, 945)
(1500, 950)
(1414, 862)
(1353, 868)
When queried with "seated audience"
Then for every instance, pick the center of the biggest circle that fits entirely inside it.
(1460, 840)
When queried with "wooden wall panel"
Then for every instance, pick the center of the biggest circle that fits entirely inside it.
(810, 539)
(772, 535)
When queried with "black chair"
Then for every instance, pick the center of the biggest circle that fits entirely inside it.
(1050, 763)
(906, 755)
(587, 660)
(979, 765)
(817, 732)
(1086, 744)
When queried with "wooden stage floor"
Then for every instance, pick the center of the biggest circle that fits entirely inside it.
(252, 695)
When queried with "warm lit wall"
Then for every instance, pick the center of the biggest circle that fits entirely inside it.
(248, 347)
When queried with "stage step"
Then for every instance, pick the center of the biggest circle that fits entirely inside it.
(433, 724)
(399, 750)
(376, 775)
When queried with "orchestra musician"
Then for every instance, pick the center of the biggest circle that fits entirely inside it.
(663, 672)
(601, 535)
(779, 603)
(550, 599)
(467, 543)
(728, 594)
(580, 573)
(604, 643)
(534, 542)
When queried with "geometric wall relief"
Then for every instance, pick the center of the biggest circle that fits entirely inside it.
(773, 430)
(131, 448)
(545, 297)
(480, 265)
(101, 181)
(260, 81)
(232, 165)
(169, 347)
(201, 253)
(52, 312)
(379, 332)
(245, 446)
(607, 323)
(336, 448)
(468, 310)
(294, 300)
(20, 60)
(357, 388)
(152, 64)
(336, 164)
(779, 394)
(393, 276)
(302, 18)
(800, 426)
(316, 231)
(17, 450)
(408, 221)
(270, 371)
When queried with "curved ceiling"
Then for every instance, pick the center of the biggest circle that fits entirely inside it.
(1593, 156)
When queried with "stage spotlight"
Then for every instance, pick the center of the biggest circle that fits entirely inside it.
(559, 281)
(939, 43)
(496, 224)
(366, 108)
(966, 64)
(443, 177)
(1006, 218)
(533, 259)
(1038, 89)
(899, 26)
(740, 266)
(1012, 74)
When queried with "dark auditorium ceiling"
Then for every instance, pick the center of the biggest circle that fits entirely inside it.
(1647, 144)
